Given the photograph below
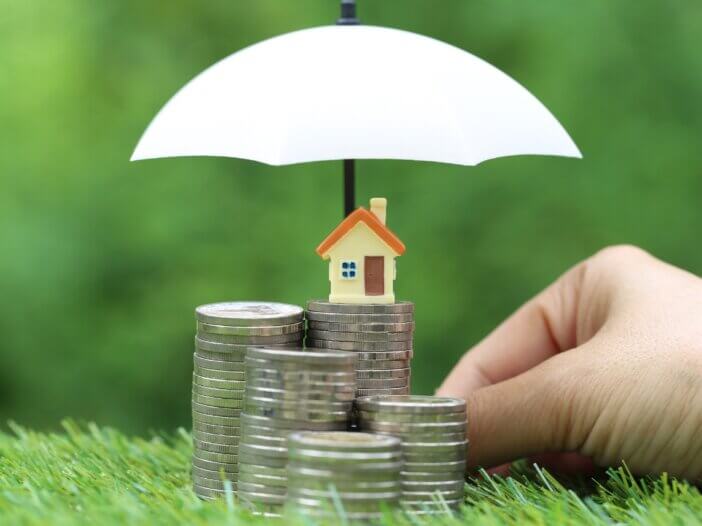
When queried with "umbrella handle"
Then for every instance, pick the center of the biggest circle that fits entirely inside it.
(348, 14)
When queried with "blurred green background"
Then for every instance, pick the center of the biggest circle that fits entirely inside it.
(102, 261)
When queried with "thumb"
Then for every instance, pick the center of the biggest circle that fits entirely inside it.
(525, 415)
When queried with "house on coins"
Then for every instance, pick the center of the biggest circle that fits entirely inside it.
(361, 253)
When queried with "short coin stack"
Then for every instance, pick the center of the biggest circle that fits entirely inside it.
(433, 433)
(380, 334)
(224, 332)
(286, 391)
(361, 471)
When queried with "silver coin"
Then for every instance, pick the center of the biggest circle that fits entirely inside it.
(201, 427)
(267, 480)
(340, 317)
(379, 365)
(339, 459)
(409, 418)
(441, 476)
(264, 471)
(432, 495)
(302, 356)
(256, 498)
(214, 475)
(384, 337)
(447, 456)
(448, 466)
(215, 447)
(337, 484)
(218, 393)
(385, 383)
(389, 390)
(296, 425)
(205, 409)
(239, 348)
(218, 384)
(302, 414)
(222, 348)
(399, 307)
(305, 385)
(421, 429)
(228, 330)
(446, 485)
(263, 450)
(259, 460)
(436, 437)
(204, 466)
(217, 365)
(211, 456)
(202, 482)
(233, 403)
(215, 438)
(249, 313)
(388, 472)
(251, 340)
(255, 366)
(412, 404)
(253, 439)
(431, 508)
(344, 376)
(312, 343)
(211, 494)
(414, 446)
(365, 374)
(229, 468)
(341, 441)
(214, 374)
(252, 487)
(384, 355)
(218, 420)
(303, 392)
(318, 405)
(270, 433)
(362, 327)
(222, 357)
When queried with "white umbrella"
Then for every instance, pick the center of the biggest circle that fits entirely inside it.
(354, 92)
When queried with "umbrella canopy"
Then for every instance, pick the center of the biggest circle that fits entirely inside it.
(354, 92)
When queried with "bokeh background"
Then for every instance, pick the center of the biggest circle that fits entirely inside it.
(102, 261)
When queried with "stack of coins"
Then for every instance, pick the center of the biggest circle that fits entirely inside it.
(286, 391)
(433, 433)
(224, 332)
(381, 336)
(360, 471)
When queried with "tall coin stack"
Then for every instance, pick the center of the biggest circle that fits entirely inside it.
(359, 470)
(433, 433)
(380, 334)
(286, 391)
(224, 332)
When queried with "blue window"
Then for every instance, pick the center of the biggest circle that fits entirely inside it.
(348, 269)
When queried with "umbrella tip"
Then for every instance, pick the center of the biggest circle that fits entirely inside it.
(348, 14)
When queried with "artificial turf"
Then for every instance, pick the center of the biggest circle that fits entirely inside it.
(99, 476)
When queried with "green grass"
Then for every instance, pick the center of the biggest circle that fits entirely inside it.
(99, 476)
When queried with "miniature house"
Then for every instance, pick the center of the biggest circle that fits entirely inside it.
(361, 253)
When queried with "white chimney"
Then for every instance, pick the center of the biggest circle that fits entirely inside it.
(379, 206)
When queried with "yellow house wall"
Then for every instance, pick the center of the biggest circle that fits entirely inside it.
(358, 243)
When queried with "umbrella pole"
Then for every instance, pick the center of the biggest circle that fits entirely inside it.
(349, 18)
(349, 186)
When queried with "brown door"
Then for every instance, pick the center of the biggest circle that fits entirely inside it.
(375, 275)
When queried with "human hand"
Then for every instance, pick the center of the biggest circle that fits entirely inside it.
(606, 363)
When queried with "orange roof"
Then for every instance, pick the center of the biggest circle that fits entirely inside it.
(370, 219)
